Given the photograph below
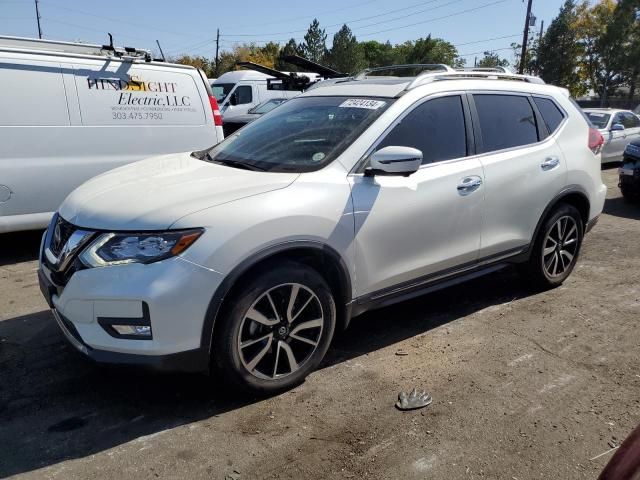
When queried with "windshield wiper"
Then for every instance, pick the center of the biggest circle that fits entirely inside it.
(237, 164)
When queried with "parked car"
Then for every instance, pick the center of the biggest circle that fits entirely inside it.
(239, 91)
(618, 127)
(248, 256)
(629, 173)
(239, 121)
(72, 111)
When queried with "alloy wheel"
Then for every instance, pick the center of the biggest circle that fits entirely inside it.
(560, 246)
(280, 331)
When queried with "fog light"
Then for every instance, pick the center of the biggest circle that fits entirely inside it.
(134, 330)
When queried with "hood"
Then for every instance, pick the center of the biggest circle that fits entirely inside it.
(244, 118)
(153, 194)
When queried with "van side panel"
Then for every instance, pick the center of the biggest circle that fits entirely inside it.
(65, 122)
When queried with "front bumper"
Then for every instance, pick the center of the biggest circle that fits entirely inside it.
(173, 294)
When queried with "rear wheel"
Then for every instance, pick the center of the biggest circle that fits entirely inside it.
(556, 248)
(276, 330)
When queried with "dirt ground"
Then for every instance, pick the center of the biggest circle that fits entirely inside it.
(525, 385)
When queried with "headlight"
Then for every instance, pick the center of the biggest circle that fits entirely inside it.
(121, 248)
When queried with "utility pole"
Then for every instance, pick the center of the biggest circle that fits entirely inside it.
(539, 43)
(161, 52)
(38, 19)
(217, 50)
(525, 39)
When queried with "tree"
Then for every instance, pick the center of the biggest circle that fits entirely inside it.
(345, 55)
(314, 47)
(559, 51)
(378, 54)
(198, 62)
(431, 50)
(290, 48)
(492, 59)
(601, 60)
(626, 23)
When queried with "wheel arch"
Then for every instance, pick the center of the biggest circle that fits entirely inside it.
(573, 195)
(320, 256)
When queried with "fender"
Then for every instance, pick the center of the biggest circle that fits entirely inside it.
(230, 280)
(568, 190)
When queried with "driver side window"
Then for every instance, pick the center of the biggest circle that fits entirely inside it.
(435, 127)
(244, 94)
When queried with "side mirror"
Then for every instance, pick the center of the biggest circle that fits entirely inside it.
(617, 127)
(233, 99)
(394, 161)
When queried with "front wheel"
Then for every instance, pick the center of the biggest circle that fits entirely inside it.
(276, 330)
(556, 248)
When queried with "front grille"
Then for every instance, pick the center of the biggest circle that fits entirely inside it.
(62, 231)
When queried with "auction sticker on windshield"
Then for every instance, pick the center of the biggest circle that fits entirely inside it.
(362, 103)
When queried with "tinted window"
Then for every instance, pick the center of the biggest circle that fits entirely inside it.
(629, 120)
(244, 94)
(506, 121)
(436, 128)
(599, 120)
(550, 113)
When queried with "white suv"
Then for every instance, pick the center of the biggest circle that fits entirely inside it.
(248, 256)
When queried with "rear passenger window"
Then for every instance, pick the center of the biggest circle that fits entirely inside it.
(551, 114)
(244, 94)
(505, 121)
(436, 128)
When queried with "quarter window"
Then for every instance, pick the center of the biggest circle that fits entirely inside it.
(436, 128)
(506, 121)
(629, 120)
(551, 114)
(244, 94)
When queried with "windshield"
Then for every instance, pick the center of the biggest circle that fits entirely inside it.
(221, 90)
(599, 120)
(302, 135)
(267, 106)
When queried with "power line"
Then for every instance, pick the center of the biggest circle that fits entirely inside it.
(434, 19)
(291, 19)
(118, 20)
(487, 50)
(347, 22)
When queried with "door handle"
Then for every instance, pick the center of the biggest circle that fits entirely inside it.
(550, 163)
(469, 185)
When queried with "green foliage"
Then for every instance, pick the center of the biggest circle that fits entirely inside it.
(559, 51)
(290, 48)
(492, 59)
(345, 55)
(314, 47)
(430, 50)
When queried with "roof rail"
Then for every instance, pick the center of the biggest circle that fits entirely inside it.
(497, 69)
(429, 77)
(428, 67)
(31, 44)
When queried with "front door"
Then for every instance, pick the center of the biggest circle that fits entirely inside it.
(411, 228)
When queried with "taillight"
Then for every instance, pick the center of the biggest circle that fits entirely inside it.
(596, 140)
(217, 117)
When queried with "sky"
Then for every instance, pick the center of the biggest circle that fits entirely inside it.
(189, 26)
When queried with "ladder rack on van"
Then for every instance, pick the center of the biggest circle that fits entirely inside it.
(33, 44)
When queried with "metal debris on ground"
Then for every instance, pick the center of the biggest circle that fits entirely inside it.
(414, 399)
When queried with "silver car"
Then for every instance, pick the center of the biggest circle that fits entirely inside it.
(618, 127)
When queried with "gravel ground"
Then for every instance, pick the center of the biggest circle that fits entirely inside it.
(525, 385)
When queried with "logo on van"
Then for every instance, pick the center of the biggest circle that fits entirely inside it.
(133, 84)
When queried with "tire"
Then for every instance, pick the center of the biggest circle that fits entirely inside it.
(265, 343)
(548, 267)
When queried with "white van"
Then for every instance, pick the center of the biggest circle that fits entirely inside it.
(239, 91)
(72, 111)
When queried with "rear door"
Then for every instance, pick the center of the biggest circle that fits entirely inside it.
(523, 167)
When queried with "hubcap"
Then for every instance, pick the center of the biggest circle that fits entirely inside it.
(560, 246)
(280, 331)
